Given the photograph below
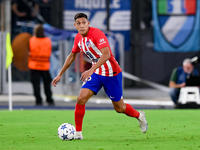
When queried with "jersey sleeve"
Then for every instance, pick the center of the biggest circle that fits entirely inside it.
(75, 48)
(174, 75)
(101, 40)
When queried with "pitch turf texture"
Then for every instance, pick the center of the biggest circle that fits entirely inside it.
(102, 130)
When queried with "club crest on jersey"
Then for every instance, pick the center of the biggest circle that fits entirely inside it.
(88, 44)
(176, 20)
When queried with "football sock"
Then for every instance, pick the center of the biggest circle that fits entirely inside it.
(79, 114)
(130, 111)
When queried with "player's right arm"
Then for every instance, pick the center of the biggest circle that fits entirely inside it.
(69, 60)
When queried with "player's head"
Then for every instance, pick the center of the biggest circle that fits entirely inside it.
(39, 31)
(187, 66)
(81, 23)
(80, 15)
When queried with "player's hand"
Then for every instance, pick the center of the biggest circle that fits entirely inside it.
(56, 80)
(85, 75)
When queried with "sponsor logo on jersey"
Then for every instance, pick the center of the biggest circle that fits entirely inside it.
(95, 60)
(89, 55)
(102, 41)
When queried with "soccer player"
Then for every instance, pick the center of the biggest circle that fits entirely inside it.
(105, 72)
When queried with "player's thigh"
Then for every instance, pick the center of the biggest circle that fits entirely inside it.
(113, 87)
(84, 95)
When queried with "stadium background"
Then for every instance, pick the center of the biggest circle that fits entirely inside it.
(148, 55)
(135, 21)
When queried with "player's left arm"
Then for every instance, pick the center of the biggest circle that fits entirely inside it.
(104, 57)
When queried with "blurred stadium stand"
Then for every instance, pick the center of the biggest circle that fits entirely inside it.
(140, 60)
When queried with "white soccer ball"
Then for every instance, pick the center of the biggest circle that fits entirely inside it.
(66, 131)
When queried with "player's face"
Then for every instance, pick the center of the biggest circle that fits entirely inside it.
(188, 68)
(82, 25)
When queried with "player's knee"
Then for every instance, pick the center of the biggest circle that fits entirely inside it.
(81, 100)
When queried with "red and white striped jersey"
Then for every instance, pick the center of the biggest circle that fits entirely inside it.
(91, 45)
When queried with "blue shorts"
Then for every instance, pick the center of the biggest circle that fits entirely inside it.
(112, 85)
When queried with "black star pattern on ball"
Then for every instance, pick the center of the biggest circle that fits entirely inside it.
(64, 136)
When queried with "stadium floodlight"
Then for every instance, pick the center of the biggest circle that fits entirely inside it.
(195, 59)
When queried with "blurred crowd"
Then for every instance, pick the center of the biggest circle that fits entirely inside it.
(26, 14)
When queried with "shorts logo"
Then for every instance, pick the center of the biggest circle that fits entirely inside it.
(111, 97)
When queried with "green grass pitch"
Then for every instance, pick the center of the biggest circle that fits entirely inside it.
(102, 130)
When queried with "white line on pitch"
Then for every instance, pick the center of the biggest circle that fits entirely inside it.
(135, 102)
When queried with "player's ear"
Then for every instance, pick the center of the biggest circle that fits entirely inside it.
(88, 22)
(75, 25)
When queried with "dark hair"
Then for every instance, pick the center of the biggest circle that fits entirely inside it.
(39, 31)
(80, 15)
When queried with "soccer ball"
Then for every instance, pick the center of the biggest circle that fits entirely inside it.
(66, 131)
